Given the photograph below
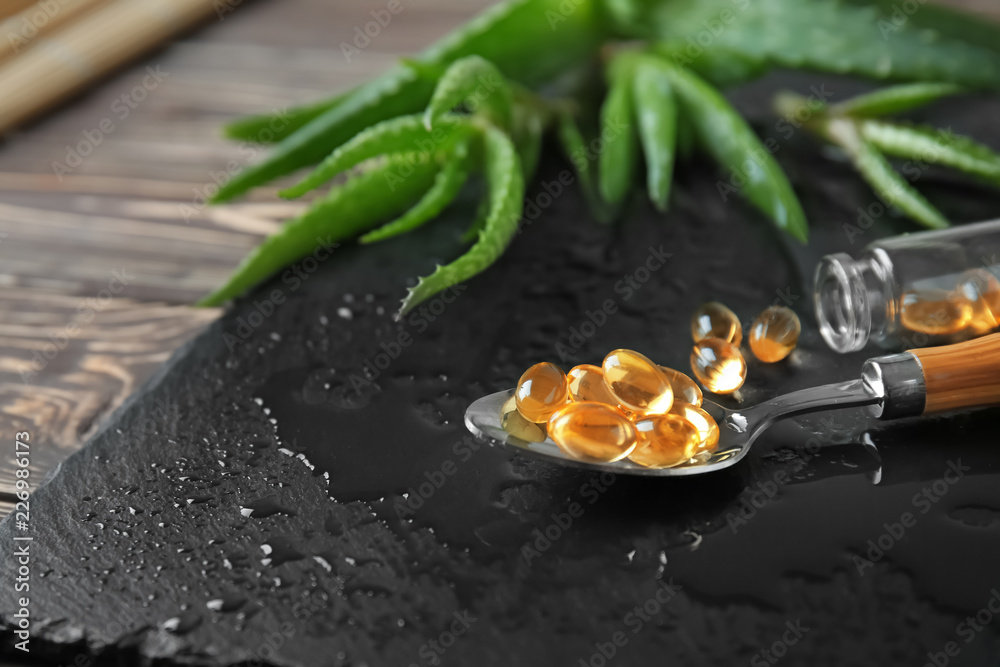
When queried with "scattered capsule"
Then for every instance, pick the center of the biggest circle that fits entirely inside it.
(982, 290)
(665, 441)
(514, 423)
(708, 429)
(637, 384)
(935, 311)
(774, 334)
(718, 366)
(540, 391)
(685, 389)
(714, 320)
(590, 431)
(586, 383)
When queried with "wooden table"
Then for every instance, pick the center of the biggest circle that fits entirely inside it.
(100, 256)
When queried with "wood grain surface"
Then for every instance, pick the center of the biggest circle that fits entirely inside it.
(104, 236)
(961, 376)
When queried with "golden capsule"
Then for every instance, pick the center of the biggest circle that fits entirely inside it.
(714, 320)
(637, 384)
(540, 391)
(590, 431)
(708, 428)
(664, 441)
(935, 311)
(685, 389)
(514, 423)
(774, 334)
(718, 366)
(586, 383)
(982, 290)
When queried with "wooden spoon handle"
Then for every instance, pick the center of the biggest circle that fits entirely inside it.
(965, 375)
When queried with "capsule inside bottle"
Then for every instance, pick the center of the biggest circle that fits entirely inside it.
(982, 290)
(935, 311)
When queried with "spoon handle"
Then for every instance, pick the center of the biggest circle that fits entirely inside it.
(964, 375)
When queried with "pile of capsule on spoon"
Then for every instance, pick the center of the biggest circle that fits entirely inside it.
(630, 407)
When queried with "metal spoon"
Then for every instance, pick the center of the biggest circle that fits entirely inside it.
(908, 384)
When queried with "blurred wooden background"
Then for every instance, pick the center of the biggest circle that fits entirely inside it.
(100, 254)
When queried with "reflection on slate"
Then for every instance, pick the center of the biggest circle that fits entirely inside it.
(312, 497)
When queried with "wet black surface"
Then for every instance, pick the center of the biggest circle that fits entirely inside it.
(310, 497)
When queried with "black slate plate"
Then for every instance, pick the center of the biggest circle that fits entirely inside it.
(296, 486)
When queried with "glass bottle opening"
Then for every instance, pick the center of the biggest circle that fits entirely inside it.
(842, 305)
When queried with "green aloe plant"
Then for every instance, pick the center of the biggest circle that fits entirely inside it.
(396, 151)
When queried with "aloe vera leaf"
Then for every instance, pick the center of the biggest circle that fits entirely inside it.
(895, 99)
(473, 81)
(528, 40)
(970, 28)
(528, 137)
(275, 126)
(446, 187)
(575, 147)
(506, 196)
(478, 221)
(929, 144)
(733, 144)
(399, 135)
(874, 168)
(656, 112)
(348, 210)
(398, 92)
(813, 34)
(617, 161)
(718, 65)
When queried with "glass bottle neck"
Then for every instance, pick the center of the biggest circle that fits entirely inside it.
(855, 300)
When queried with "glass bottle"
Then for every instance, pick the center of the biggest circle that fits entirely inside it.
(913, 290)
